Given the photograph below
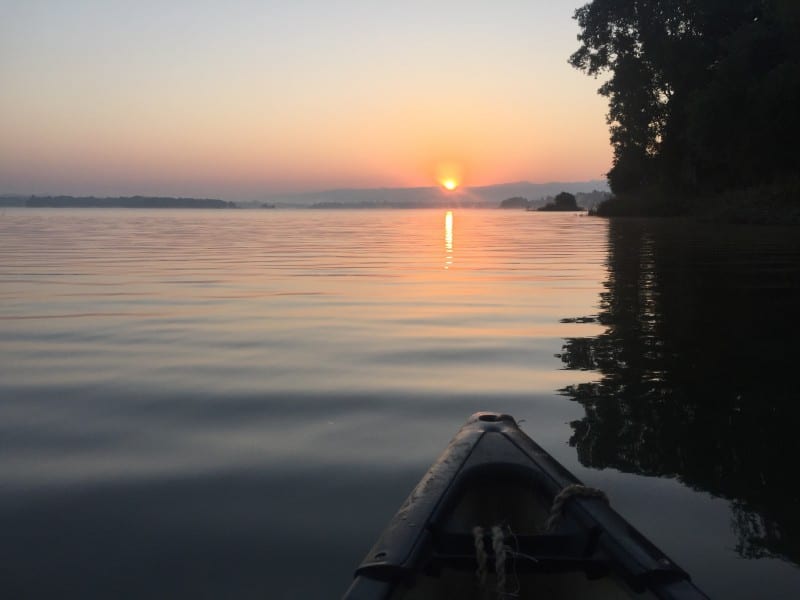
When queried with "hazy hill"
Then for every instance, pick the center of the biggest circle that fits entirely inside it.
(482, 196)
(537, 192)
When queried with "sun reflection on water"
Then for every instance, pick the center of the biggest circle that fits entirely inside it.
(448, 239)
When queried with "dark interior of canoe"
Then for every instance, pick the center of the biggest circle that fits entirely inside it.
(476, 526)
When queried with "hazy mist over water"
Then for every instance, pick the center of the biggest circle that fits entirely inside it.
(233, 403)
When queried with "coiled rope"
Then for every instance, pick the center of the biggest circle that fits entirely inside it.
(575, 489)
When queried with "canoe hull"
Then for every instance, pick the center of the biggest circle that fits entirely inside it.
(492, 475)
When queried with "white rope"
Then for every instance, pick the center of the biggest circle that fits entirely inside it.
(500, 551)
(565, 494)
(499, 547)
(480, 554)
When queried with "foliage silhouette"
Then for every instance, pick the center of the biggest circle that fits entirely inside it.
(703, 94)
(563, 201)
(515, 202)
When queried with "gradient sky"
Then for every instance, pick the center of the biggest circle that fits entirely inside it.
(244, 98)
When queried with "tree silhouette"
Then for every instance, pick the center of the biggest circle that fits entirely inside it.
(702, 93)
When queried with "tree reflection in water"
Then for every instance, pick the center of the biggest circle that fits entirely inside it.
(698, 370)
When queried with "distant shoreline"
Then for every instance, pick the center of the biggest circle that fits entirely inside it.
(394, 197)
(124, 202)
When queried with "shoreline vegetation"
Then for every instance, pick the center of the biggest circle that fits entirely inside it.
(702, 106)
(768, 204)
(563, 201)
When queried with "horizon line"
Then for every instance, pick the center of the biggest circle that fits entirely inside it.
(285, 194)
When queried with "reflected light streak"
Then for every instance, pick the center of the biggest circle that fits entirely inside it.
(448, 239)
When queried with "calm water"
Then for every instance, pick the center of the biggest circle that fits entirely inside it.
(216, 403)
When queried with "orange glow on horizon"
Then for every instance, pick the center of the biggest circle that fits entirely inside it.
(450, 184)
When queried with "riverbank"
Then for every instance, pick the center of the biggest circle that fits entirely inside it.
(772, 204)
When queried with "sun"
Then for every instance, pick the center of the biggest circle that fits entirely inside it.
(449, 174)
